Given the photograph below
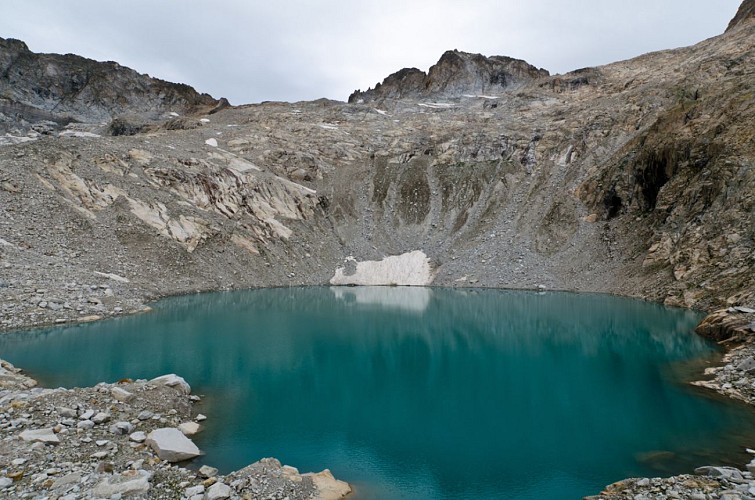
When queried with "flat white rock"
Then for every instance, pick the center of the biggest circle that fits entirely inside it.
(171, 445)
(46, 435)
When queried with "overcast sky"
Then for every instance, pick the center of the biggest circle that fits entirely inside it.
(251, 51)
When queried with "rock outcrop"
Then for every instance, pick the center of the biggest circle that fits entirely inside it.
(455, 74)
(52, 89)
(745, 14)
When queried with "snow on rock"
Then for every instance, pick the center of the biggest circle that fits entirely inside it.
(212, 142)
(412, 268)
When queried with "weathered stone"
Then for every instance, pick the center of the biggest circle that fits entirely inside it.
(101, 418)
(145, 415)
(122, 428)
(85, 424)
(171, 445)
(328, 487)
(207, 471)
(66, 480)
(138, 437)
(189, 428)
(218, 491)
(194, 490)
(173, 380)
(86, 415)
(46, 435)
(747, 365)
(67, 412)
(132, 482)
(729, 473)
(121, 394)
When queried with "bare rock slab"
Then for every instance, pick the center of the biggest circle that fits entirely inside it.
(171, 445)
(133, 482)
(46, 435)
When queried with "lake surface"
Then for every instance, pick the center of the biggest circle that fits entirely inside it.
(422, 393)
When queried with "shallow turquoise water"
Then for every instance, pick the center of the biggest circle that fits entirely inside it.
(422, 393)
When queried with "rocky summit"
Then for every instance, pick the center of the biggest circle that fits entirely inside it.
(634, 178)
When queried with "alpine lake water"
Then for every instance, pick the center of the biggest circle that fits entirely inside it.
(419, 392)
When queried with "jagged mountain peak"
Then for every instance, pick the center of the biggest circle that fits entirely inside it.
(745, 13)
(70, 88)
(456, 73)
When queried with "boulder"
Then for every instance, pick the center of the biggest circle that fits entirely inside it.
(189, 428)
(121, 394)
(173, 380)
(328, 487)
(206, 471)
(171, 445)
(131, 482)
(729, 473)
(218, 491)
(46, 435)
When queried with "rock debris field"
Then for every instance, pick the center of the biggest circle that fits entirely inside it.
(130, 439)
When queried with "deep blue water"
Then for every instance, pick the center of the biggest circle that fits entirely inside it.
(422, 393)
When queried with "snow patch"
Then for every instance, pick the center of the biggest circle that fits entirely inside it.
(412, 269)
(76, 133)
(413, 299)
(328, 126)
(436, 105)
(212, 142)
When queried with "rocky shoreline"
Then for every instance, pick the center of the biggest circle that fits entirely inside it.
(733, 328)
(127, 439)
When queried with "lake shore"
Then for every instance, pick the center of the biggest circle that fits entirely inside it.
(104, 441)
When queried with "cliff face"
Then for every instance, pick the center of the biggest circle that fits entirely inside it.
(455, 74)
(634, 178)
(68, 88)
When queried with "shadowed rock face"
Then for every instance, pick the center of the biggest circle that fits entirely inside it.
(70, 88)
(455, 74)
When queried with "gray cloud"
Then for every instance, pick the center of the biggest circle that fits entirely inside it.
(251, 51)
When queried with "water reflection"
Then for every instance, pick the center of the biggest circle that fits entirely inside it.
(415, 299)
(418, 392)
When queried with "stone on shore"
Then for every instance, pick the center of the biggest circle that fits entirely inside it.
(218, 491)
(171, 445)
(328, 487)
(173, 380)
(121, 394)
(207, 471)
(189, 428)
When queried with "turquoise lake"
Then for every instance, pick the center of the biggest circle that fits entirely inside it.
(422, 393)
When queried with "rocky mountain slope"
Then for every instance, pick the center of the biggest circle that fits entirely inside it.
(52, 91)
(633, 178)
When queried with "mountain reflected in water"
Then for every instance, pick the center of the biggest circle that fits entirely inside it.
(418, 392)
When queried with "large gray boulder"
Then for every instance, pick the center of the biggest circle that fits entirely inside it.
(171, 445)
